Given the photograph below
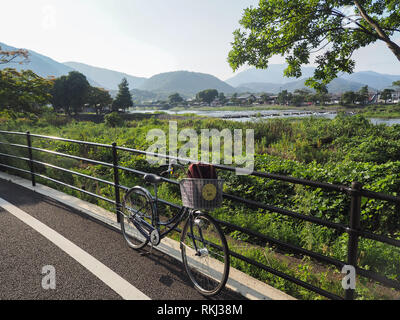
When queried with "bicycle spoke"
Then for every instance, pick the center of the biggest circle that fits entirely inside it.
(205, 254)
(137, 209)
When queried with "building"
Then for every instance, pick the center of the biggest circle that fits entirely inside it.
(394, 99)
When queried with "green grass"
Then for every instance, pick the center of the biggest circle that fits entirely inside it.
(381, 111)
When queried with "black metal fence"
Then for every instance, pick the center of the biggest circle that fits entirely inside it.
(355, 192)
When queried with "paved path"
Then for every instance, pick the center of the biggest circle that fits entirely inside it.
(90, 260)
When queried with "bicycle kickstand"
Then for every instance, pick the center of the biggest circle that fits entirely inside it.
(146, 253)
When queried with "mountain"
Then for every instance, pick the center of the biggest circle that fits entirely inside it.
(188, 83)
(185, 83)
(274, 74)
(338, 85)
(372, 79)
(272, 80)
(341, 85)
(258, 87)
(108, 79)
(42, 65)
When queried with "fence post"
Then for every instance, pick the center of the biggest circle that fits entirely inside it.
(116, 181)
(29, 143)
(354, 226)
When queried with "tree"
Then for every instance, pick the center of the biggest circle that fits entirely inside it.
(300, 96)
(348, 98)
(284, 97)
(207, 96)
(78, 89)
(387, 94)
(70, 93)
(20, 56)
(24, 90)
(175, 99)
(320, 97)
(99, 99)
(363, 96)
(297, 100)
(60, 96)
(264, 97)
(334, 29)
(234, 99)
(221, 98)
(124, 97)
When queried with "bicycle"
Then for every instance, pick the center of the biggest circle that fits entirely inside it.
(203, 246)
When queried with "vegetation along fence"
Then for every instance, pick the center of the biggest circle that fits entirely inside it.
(353, 229)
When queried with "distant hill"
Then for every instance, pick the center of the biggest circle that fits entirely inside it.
(187, 83)
(274, 74)
(108, 79)
(42, 65)
(336, 86)
(258, 87)
(372, 79)
(341, 85)
(184, 82)
(271, 80)
(142, 95)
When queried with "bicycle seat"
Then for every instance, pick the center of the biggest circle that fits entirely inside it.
(152, 178)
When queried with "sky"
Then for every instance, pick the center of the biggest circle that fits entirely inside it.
(144, 37)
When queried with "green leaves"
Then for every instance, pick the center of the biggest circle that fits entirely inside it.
(99, 99)
(207, 95)
(328, 31)
(70, 93)
(124, 98)
(23, 91)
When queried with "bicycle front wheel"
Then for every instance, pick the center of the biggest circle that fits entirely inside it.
(137, 210)
(205, 254)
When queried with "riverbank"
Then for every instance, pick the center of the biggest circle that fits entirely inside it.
(261, 108)
(381, 111)
(372, 111)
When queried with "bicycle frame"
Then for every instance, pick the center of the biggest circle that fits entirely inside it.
(156, 223)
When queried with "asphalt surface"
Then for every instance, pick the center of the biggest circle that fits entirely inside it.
(24, 252)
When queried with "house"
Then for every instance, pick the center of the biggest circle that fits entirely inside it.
(246, 99)
(394, 99)
(396, 96)
(272, 100)
(334, 99)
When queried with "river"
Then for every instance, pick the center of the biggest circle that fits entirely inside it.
(265, 114)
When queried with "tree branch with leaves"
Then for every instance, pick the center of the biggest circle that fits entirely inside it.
(330, 30)
(19, 56)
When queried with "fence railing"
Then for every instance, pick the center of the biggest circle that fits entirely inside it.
(355, 192)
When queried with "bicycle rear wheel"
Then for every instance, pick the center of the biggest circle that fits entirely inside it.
(205, 254)
(136, 208)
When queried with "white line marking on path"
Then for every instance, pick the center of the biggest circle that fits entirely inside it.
(105, 274)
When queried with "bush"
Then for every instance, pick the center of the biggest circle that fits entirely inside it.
(113, 120)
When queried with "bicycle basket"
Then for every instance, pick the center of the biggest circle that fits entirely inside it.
(201, 193)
